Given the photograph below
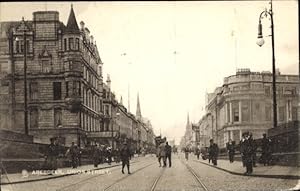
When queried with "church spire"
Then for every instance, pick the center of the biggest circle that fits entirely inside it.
(138, 109)
(72, 26)
(121, 101)
(188, 120)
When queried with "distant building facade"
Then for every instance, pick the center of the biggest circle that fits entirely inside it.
(244, 103)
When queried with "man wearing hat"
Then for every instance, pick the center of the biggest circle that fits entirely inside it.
(125, 156)
(213, 151)
(247, 152)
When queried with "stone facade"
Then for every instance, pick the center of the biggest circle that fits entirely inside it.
(66, 96)
(244, 103)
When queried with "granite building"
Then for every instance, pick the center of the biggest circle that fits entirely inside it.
(244, 103)
(64, 78)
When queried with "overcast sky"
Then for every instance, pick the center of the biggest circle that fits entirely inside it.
(200, 32)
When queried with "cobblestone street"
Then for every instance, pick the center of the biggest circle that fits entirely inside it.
(147, 175)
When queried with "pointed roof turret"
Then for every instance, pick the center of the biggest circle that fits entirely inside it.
(72, 26)
(138, 108)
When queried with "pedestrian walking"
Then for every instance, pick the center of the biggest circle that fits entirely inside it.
(265, 150)
(168, 149)
(162, 150)
(186, 152)
(231, 150)
(213, 152)
(158, 155)
(247, 152)
(125, 156)
(197, 151)
(254, 149)
(96, 155)
(109, 155)
(51, 155)
(242, 148)
(73, 151)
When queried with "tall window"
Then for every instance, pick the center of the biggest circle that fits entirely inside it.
(101, 126)
(228, 112)
(281, 113)
(57, 117)
(71, 43)
(245, 111)
(268, 112)
(289, 109)
(56, 90)
(21, 46)
(267, 90)
(34, 118)
(77, 44)
(33, 90)
(76, 88)
(235, 110)
(18, 46)
(294, 114)
(106, 110)
(65, 44)
(67, 89)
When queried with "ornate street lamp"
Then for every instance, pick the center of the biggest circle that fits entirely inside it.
(260, 42)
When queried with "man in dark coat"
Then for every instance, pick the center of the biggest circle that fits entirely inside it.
(73, 151)
(231, 150)
(125, 156)
(265, 150)
(186, 152)
(254, 149)
(213, 151)
(52, 154)
(247, 152)
(168, 149)
(197, 151)
(96, 155)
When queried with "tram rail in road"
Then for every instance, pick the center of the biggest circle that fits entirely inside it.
(191, 170)
(125, 177)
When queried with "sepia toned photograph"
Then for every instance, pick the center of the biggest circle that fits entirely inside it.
(149, 95)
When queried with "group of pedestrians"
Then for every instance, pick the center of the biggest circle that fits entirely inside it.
(103, 153)
(248, 149)
(164, 151)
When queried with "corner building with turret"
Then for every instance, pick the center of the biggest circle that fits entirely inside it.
(64, 78)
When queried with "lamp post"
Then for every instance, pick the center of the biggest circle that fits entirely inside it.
(260, 42)
(25, 76)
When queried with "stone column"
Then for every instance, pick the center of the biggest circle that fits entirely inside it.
(240, 111)
(287, 111)
(231, 134)
(230, 112)
(226, 117)
(241, 134)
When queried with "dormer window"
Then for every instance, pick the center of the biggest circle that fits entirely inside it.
(46, 66)
(46, 61)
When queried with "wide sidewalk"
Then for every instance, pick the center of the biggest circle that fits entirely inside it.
(38, 175)
(273, 171)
